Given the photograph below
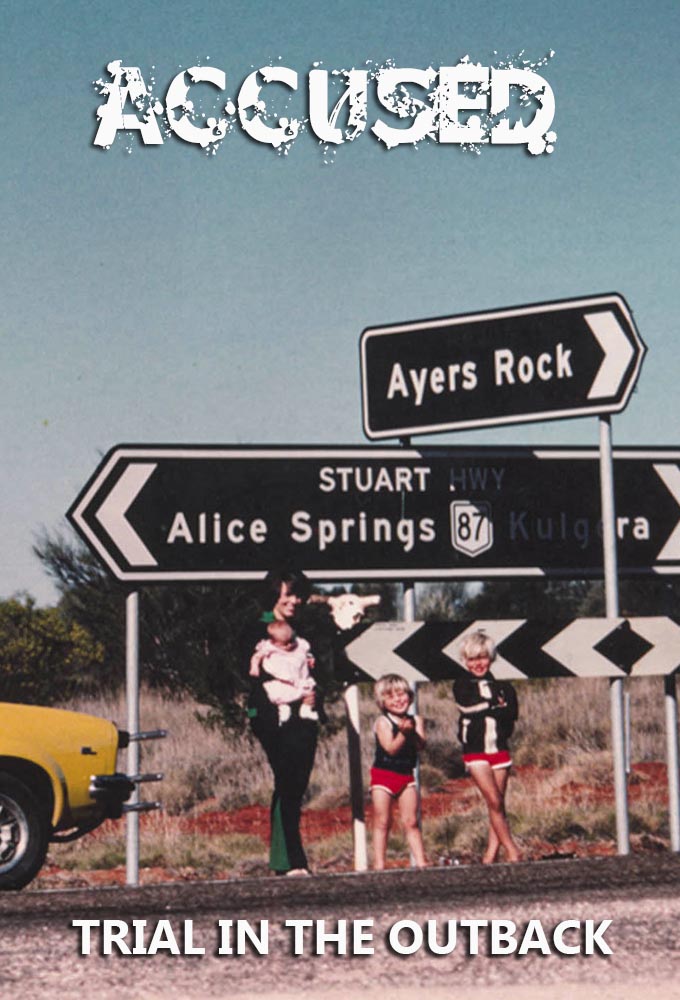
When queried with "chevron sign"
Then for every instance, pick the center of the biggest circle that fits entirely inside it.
(578, 647)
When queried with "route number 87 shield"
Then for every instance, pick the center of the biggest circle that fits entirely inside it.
(471, 526)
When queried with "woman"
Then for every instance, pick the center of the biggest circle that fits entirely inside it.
(290, 745)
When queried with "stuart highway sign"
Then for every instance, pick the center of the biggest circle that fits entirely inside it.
(172, 513)
(537, 362)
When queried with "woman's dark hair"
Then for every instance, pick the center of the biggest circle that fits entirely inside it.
(271, 586)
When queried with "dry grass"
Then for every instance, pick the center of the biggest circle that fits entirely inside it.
(562, 740)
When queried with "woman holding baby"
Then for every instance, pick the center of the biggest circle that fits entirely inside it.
(282, 711)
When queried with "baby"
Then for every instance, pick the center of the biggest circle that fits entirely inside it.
(286, 661)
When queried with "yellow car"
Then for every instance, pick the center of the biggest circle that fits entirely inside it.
(58, 781)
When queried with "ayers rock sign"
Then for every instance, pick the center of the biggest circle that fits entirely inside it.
(545, 361)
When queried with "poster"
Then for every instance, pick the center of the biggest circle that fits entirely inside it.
(163, 284)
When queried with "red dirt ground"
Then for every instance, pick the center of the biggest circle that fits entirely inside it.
(647, 782)
(454, 796)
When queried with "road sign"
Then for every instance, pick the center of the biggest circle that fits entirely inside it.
(537, 362)
(471, 526)
(576, 647)
(198, 513)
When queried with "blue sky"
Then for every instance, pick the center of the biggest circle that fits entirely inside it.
(162, 295)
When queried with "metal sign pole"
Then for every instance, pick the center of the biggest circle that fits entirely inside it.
(409, 602)
(132, 695)
(410, 616)
(672, 761)
(356, 788)
(611, 588)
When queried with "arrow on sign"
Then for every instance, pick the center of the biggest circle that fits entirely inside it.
(575, 647)
(618, 353)
(111, 514)
(377, 646)
(670, 475)
(500, 630)
(580, 647)
(664, 636)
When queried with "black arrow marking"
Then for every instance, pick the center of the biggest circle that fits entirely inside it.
(424, 649)
(523, 649)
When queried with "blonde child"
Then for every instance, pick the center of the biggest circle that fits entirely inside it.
(488, 711)
(399, 736)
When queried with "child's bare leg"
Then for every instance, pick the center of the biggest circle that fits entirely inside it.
(382, 815)
(408, 814)
(491, 853)
(501, 775)
(492, 847)
(492, 786)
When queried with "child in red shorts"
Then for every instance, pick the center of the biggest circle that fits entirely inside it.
(488, 711)
(399, 736)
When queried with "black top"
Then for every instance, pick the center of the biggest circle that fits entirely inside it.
(488, 712)
(404, 760)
